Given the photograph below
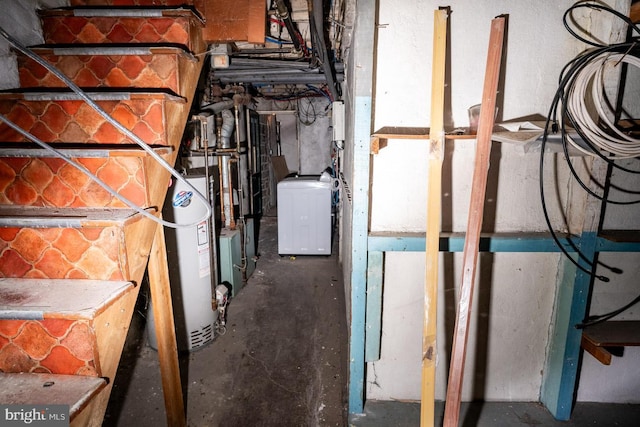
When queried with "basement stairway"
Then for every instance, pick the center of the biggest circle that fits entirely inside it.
(71, 254)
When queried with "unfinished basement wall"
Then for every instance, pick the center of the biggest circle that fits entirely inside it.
(19, 19)
(515, 292)
(304, 129)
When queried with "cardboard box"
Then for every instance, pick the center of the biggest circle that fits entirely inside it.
(235, 20)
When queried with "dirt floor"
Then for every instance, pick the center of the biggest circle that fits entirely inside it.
(282, 362)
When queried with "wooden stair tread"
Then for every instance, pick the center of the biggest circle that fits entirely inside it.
(67, 215)
(49, 298)
(84, 153)
(176, 25)
(619, 333)
(601, 339)
(140, 12)
(95, 94)
(48, 389)
(110, 49)
(621, 235)
(47, 217)
(150, 66)
(137, 3)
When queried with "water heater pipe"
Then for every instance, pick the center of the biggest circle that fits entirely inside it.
(211, 222)
(226, 131)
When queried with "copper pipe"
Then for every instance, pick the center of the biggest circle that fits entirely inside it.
(232, 221)
(222, 217)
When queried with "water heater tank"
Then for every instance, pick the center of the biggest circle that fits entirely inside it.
(189, 259)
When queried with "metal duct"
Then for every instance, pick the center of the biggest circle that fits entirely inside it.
(217, 107)
(228, 121)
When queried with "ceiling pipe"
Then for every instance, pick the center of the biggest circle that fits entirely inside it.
(316, 21)
(283, 12)
(283, 78)
(239, 63)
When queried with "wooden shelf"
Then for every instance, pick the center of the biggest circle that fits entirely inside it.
(621, 236)
(602, 339)
(379, 138)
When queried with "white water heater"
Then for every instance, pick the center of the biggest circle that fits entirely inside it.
(190, 270)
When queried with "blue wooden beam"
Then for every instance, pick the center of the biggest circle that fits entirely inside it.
(493, 242)
(359, 230)
(561, 370)
(454, 242)
(357, 162)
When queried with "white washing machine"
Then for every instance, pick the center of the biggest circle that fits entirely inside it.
(304, 215)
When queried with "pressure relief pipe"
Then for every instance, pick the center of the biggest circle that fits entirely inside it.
(226, 131)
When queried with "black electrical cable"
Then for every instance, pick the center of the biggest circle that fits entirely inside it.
(560, 101)
(566, 84)
(592, 320)
(550, 118)
(548, 220)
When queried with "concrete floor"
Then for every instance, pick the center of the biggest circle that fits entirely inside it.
(283, 362)
(499, 414)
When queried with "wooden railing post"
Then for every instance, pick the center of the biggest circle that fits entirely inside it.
(165, 330)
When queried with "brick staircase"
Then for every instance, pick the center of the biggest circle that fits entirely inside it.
(71, 254)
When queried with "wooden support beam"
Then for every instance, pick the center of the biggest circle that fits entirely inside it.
(600, 353)
(434, 202)
(356, 207)
(165, 330)
(474, 224)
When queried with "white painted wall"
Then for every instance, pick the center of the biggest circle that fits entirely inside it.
(19, 19)
(315, 135)
(305, 133)
(305, 137)
(515, 292)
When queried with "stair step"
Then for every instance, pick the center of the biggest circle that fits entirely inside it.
(123, 25)
(35, 177)
(37, 217)
(51, 326)
(76, 243)
(47, 389)
(197, 4)
(38, 299)
(62, 116)
(101, 66)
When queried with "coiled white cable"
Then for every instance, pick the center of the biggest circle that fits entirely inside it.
(118, 126)
(600, 130)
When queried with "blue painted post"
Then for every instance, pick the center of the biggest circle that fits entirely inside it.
(361, 78)
(561, 371)
(359, 231)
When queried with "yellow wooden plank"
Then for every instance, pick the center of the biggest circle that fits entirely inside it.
(434, 201)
